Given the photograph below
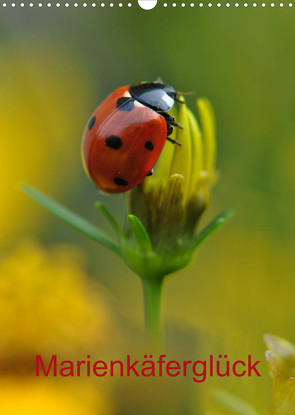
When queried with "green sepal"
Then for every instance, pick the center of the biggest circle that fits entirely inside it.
(141, 236)
(71, 218)
(212, 227)
(110, 218)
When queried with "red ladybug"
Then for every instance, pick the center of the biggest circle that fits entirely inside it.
(126, 134)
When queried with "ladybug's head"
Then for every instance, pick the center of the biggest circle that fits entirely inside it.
(168, 89)
(156, 95)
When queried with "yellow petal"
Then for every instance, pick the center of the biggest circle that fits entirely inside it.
(163, 165)
(182, 158)
(196, 154)
(209, 133)
(280, 356)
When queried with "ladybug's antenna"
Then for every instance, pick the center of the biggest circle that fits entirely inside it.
(182, 93)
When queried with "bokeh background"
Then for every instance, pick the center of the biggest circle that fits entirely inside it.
(63, 294)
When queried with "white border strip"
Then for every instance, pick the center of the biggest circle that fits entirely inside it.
(66, 4)
(120, 4)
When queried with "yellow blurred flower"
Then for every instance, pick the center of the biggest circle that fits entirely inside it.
(280, 357)
(48, 305)
(281, 362)
(32, 397)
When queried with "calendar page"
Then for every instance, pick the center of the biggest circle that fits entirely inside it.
(147, 207)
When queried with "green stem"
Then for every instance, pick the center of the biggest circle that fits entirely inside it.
(152, 299)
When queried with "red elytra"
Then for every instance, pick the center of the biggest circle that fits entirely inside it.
(124, 139)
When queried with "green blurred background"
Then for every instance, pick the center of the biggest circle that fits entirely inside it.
(62, 294)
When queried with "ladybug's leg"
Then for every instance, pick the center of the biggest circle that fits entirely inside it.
(179, 100)
(170, 119)
(169, 132)
(177, 125)
(173, 141)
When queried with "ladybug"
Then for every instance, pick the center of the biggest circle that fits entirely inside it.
(126, 134)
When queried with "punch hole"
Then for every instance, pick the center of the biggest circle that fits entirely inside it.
(147, 4)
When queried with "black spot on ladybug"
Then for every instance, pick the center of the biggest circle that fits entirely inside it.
(114, 142)
(91, 123)
(149, 145)
(125, 104)
(120, 182)
(151, 172)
